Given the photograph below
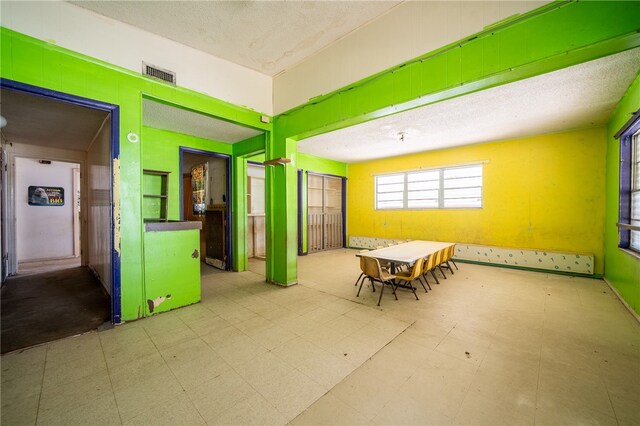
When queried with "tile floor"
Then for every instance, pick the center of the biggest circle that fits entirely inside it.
(487, 346)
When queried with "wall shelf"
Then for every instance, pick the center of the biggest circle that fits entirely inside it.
(155, 187)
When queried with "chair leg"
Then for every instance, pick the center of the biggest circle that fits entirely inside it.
(361, 282)
(426, 281)
(433, 272)
(425, 289)
(381, 291)
(393, 289)
(454, 263)
(449, 267)
(413, 290)
(359, 278)
(442, 272)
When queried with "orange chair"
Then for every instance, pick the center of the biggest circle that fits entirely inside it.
(453, 252)
(428, 266)
(374, 272)
(412, 275)
(439, 258)
(362, 274)
(448, 256)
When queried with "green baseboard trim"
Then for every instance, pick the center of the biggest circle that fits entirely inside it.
(524, 268)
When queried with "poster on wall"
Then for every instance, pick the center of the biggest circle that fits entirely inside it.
(46, 196)
(198, 181)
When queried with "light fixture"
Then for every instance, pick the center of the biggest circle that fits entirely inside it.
(3, 121)
(401, 136)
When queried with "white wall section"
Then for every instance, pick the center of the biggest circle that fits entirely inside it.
(406, 32)
(43, 232)
(120, 44)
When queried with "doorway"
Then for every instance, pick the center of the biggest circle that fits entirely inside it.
(206, 189)
(57, 210)
(48, 224)
(325, 212)
(256, 226)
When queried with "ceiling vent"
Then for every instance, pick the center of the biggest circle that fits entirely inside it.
(159, 73)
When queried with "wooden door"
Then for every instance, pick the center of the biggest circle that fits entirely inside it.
(324, 213)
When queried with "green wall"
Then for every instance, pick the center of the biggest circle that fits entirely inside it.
(552, 37)
(161, 151)
(622, 269)
(31, 61)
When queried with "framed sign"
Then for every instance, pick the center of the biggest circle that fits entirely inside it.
(46, 196)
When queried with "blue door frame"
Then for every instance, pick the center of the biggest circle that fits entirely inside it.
(114, 111)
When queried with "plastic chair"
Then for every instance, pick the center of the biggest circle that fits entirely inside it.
(439, 258)
(428, 266)
(374, 272)
(452, 252)
(412, 275)
(362, 276)
(448, 256)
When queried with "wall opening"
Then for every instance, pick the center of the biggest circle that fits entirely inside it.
(206, 189)
(57, 215)
(256, 216)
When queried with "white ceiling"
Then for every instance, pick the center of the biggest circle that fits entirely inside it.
(35, 120)
(576, 97)
(267, 36)
(166, 117)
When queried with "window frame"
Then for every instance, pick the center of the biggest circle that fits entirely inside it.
(628, 135)
(441, 188)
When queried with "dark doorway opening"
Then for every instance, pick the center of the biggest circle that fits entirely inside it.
(54, 293)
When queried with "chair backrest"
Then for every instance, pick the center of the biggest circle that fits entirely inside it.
(439, 256)
(452, 251)
(417, 269)
(362, 259)
(429, 263)
(372, 267)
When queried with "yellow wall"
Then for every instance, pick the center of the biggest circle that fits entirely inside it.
(543, 192)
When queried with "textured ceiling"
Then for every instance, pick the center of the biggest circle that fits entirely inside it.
(576, 97)
(166, 117)
(267, 36)
(35, 120)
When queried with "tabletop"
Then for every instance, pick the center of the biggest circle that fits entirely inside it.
(407, 252)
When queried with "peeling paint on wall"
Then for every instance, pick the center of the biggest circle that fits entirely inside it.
(116, 205)
(154, 303)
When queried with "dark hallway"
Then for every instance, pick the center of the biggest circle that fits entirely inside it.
(44, 307)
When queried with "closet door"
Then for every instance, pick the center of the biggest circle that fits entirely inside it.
(315, 223)
(324, 210)
(332, 212)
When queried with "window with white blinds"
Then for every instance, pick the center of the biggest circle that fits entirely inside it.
(444, 188)
(634, 241)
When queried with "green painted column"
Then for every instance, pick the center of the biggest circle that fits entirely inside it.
(281, 211)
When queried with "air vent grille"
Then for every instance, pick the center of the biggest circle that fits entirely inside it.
(159, 73)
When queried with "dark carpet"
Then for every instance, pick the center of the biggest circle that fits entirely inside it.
(45, 307)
